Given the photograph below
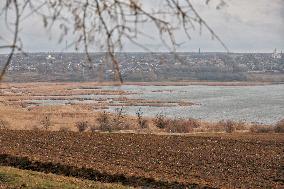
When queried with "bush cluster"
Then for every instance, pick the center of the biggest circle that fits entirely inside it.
(175, 125)
(279, 127)
(82, 126)
(161, 121)
(106, 122)
(182, 126)
(4, 125)
(142, 123)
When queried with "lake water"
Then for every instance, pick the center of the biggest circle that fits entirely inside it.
(262, 104)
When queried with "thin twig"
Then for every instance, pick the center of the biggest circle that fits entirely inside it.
(13, 46)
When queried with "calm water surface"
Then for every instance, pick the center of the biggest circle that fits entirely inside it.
(263, 104)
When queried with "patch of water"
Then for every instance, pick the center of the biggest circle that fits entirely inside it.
(262, 104)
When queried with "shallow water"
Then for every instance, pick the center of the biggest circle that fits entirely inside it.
(262, 104)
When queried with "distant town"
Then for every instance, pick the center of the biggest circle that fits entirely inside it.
(146, 66)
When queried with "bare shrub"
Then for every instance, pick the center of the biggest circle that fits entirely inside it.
(179, 126)
(240, 126)
(227, 125)
(4, 125)
(82, 126)
(104, 121)
(160, 121)
(45, 122)
(256, 128)
(110, 122)
(176, 125)
(194, 123)
(279, 127)
(119, 121)
(142, 123)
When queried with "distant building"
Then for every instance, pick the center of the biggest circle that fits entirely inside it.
(276, 55)
(49, 57)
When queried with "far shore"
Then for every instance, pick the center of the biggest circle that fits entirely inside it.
(166, 83)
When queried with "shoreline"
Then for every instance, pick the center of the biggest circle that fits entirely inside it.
(166, 83)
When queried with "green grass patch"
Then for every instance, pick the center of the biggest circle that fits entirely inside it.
(25, 179)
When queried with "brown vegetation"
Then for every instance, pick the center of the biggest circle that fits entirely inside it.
(142, 122)
(71, 117)
(176, 125)
(4, 124)
(45, 122)
(161, 121)
(261, 129)
(104, 121)
(82, 126)
(279, 127)
(31, 95)
(179, 126)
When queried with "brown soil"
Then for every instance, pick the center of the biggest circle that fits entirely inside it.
(213, 161)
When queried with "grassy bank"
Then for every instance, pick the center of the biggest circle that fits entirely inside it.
(82, 118)
(25, 179)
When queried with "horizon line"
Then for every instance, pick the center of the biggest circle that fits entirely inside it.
(169, 52)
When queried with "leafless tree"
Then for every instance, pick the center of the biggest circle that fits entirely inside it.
(104, 22)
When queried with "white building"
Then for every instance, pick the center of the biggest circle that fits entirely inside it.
(276, 55)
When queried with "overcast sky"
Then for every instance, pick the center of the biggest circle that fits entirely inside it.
(244, 26)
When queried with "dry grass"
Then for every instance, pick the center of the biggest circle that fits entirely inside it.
(66, 116)
(60, 116)
(23, 95)
(4, 125)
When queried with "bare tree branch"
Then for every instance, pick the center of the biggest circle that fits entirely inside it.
(13, 46)
(106, 24)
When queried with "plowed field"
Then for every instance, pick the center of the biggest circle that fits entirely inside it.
(215, 161)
